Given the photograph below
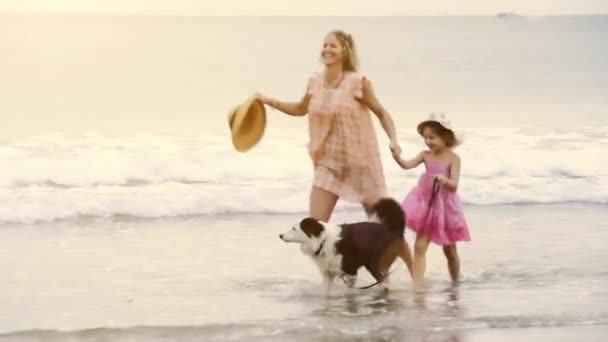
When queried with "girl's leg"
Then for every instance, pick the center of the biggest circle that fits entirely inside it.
(451, 254)
(322, 203)
(420, 247)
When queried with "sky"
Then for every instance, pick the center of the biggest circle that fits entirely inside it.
(306, 7)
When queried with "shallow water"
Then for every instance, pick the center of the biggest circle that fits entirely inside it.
(231, 278)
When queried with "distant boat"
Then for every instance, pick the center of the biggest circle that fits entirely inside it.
(508, 15)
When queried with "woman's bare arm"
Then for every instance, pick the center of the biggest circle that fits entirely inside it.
(371, 101)
(299, 108)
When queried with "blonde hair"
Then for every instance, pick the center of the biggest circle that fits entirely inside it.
(351, 59)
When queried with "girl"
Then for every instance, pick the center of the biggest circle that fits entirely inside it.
(433, 208)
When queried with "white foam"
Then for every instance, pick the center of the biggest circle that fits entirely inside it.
(65, 176)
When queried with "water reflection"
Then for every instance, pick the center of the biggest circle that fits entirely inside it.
(424, 315)
(439, 306)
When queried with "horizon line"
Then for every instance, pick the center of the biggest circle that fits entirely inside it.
(109, 14)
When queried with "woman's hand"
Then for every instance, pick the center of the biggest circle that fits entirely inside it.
(264, 99)
(395, 148)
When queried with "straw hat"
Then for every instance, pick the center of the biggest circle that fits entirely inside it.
(247, 123)
(440, 118)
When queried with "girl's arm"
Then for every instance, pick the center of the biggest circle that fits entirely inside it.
(411, 163)
(370, 100)
(452, 182)
(291, 108)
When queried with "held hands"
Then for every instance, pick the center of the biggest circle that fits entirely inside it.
(395, 149)
(396, 153)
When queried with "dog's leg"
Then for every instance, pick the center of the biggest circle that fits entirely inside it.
(350, 280)
(382, 270)
(327, 280)
(385, 277)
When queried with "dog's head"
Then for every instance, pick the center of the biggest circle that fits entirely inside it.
(308, 233)
(306, 229)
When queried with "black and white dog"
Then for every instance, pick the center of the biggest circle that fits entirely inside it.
(340, 250)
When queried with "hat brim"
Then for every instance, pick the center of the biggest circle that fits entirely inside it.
(247, 123)
(421, 126)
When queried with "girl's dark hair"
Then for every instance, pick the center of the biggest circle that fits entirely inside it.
(447, 135)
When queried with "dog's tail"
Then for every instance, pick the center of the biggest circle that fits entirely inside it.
(388, 212)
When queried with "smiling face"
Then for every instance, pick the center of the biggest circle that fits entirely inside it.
(436, 136)
(432, 139)
(332, 52)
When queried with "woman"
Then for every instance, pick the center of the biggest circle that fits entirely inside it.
(343, 145)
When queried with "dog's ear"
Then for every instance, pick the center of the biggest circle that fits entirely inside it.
(311, 227)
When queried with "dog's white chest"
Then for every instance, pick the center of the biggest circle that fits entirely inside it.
(329, 264)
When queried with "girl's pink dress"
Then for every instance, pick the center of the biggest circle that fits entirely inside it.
(445, 224)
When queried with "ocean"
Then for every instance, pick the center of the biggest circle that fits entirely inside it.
(128, 216)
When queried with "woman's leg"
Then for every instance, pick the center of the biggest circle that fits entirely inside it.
(322, 203)
(451, 254)
(420, 247)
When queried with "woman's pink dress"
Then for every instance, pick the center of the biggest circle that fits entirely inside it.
(343, 145)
